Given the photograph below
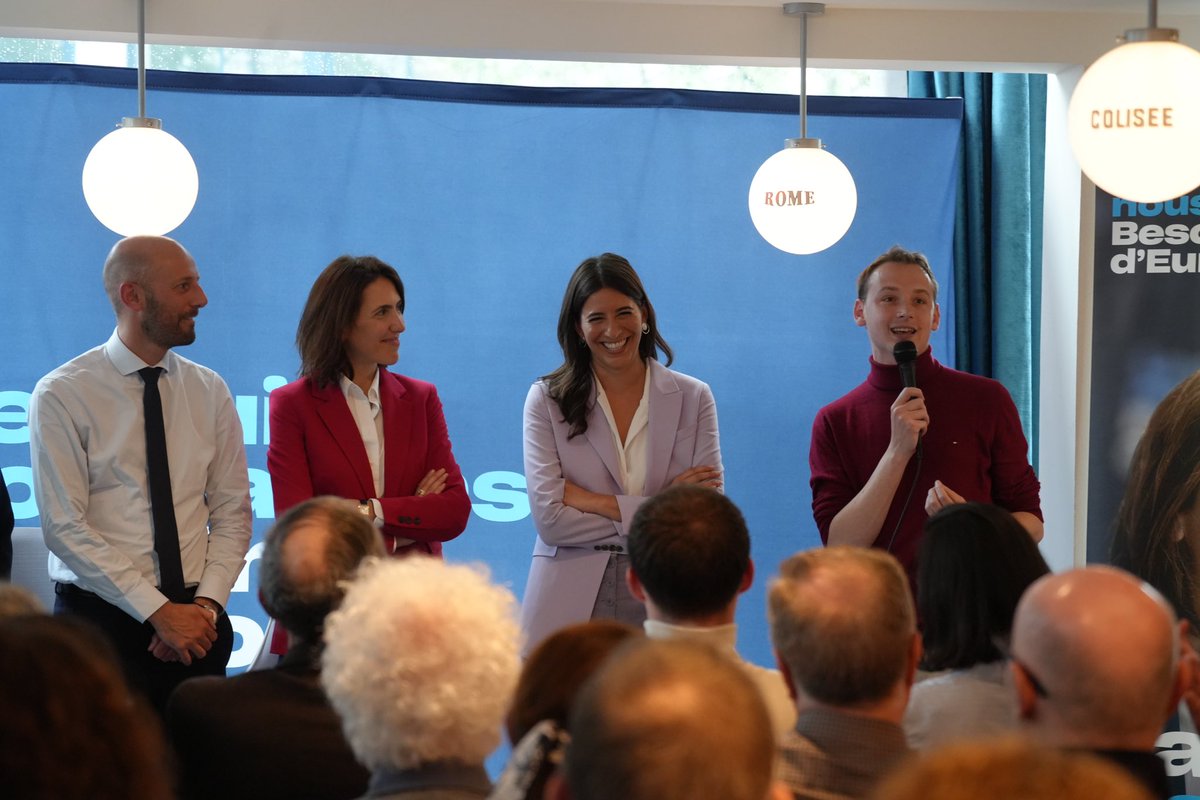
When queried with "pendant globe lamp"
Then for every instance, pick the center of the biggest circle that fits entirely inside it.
(139, 179)
(1134, 119)
(803, 199)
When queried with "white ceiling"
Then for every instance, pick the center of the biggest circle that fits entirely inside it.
(970, 34)
(1186, 7)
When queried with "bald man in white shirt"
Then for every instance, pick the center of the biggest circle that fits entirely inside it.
(147, 548)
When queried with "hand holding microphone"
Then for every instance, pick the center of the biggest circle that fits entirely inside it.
(909, 415)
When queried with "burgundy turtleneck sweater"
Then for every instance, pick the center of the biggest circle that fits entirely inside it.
(974, 445)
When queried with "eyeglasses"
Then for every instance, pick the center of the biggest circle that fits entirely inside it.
(1038, 688)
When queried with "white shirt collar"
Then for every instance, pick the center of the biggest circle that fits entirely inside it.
(126, 361)
(720, 636)
(349, 387)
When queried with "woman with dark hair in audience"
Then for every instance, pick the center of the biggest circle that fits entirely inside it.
(973, 565)
(608, 428)
(537, 720)
(351, 428)
(70, 728)
(1157, 535)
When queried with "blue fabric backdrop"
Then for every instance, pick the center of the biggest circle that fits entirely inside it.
(485, 199)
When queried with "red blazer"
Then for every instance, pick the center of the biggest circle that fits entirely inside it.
(316, 449)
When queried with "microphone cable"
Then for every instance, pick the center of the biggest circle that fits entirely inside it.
(908, 498)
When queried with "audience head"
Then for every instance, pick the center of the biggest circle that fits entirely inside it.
(557, 667)
(689, 554)
(333, 307)
(1009, 768)
(973, 564)
(70, 727)
(668, 719)
(1095, 660)
(844, 629)
(310, 553)
(1158, 525)
(17, 601)
(420, 662)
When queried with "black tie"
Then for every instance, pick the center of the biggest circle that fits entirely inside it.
(162, 505)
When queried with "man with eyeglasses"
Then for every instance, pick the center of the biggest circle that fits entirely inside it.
(1095, 662)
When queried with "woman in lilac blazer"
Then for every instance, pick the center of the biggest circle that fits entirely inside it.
(605, 430)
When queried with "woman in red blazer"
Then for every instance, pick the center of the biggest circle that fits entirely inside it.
(349, 428)
(352, 429)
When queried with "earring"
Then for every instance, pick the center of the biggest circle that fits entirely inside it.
(645, 327)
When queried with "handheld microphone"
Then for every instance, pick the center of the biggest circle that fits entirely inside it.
(905, 353)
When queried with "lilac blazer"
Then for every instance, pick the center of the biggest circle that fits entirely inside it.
(567, 567)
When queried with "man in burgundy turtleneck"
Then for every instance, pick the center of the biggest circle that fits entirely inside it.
(863, 444)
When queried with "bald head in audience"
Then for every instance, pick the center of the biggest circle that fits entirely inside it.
(668, 719)
(309, 555)
(1095, 660)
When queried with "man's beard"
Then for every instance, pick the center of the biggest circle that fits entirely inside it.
(165, 330)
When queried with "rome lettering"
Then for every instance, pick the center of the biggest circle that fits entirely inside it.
(803, 197)
(1152, 117)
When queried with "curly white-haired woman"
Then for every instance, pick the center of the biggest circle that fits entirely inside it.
(420, 663)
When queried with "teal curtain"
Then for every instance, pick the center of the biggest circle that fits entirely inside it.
(998, 228)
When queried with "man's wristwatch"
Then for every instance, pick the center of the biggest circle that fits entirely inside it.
(364, 508)
(211, 606)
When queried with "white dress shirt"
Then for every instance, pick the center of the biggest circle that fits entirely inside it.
(770, 682)
(88, 449)
(368, 417)
(632, 454)
(367, 410)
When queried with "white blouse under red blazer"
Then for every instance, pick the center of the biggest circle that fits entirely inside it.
(316, 449)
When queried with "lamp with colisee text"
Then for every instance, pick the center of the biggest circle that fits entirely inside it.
(802, 199)
(1134, 119)
(139, 179)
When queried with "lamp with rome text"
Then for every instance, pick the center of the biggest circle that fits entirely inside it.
(802, 199)
(1134, 119)
(139, 179)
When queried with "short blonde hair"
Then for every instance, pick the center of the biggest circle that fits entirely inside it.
(669, 720)
(420, 662)
(842, 620)
(1007, 768)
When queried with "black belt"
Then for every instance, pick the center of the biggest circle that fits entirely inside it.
(72, 590)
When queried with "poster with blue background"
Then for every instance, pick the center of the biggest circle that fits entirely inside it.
(485, 199)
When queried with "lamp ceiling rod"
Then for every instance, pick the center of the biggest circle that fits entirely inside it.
(804, 11)
(1151, 33)
(141, 58)
(804, 76)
